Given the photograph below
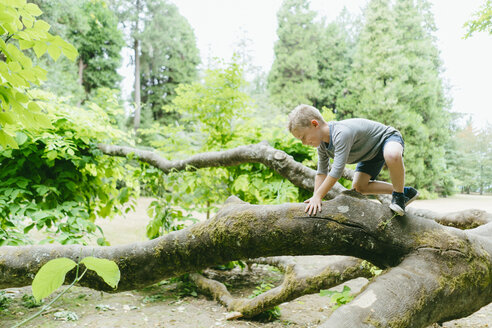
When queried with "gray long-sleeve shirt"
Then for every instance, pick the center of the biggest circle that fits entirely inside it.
(351, 141)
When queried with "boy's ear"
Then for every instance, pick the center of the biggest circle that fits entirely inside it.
(314, 123)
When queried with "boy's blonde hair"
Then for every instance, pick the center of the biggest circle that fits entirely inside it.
(302, 116)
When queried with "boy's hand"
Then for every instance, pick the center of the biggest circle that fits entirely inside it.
(314, 205)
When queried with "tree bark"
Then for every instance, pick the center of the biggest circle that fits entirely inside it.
(82, 66)
(303, 275)
(136, 49)
(433, 273)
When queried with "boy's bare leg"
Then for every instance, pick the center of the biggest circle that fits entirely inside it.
(363, 185)
(393, 152)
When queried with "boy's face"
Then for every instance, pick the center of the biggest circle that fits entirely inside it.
(310, 135)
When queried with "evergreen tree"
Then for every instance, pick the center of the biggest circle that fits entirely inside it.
(169, 55)
(422, 90)
(376, 65)
(395, 79)
(475, 158)
(165, 52)
(293, 78)
(334, 59)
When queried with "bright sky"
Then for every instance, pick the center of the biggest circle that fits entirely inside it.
(220, 24)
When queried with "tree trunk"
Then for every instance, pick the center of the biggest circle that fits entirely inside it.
(433, 273)
(81, 71)
(136, 48)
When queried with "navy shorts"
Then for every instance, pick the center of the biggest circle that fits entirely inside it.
(375, 165)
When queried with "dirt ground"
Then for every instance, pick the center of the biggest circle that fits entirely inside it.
(173, 303)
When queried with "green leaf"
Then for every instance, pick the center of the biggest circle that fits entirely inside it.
(6, 118)
(33, 9)
(69, 51)
(28, 228)
(106, 269)
(41, 25)
(14, 66)
(42, 120)
(52, 155)
(40, 48)
(50, 277)
(16, 3)
(28, 20)
(326, 292)
(7, 140)
(54, 51)
(25, 44)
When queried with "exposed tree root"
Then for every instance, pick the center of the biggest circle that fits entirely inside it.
(303, 275)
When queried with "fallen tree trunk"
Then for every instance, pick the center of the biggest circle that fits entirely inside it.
(433, 273)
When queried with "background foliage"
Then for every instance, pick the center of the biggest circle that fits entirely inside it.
(54, 110)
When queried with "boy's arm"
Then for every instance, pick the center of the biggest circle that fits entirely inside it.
(314, 203)
(318, 180)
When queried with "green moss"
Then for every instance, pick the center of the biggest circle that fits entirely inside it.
(370, 321)
(443, 240)
(340, 218)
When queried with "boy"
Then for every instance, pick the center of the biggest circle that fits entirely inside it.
(368, 143)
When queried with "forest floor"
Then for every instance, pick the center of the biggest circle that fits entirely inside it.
(173, 303)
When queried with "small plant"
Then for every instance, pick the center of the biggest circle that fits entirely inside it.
(4, 301)
(270, 314)
(154, 298)
(66, 316)
(338, 298)
(382, 225)
(375, 271)
(263, 287)
(186, 287)
(29, 302)
(52, 275)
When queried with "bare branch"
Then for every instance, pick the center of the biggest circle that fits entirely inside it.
(303, 275)
(277, 160)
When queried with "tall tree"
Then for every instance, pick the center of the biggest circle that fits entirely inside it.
(395, 79)
(169, 55)
(131, 14)
(63, 16)
(475, 158)
(293, 78)
(93, 29)
(165, 52)
(99, 46)
(334, 59)
(422, 90)
(375, 65)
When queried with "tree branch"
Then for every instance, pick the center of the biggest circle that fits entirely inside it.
(303, 275)
(286, 166)
(277, 160)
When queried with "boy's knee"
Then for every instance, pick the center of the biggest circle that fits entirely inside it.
(392, 157)
(359, 187)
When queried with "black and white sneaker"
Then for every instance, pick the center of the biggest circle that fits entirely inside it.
(411, 194)
(398, 203)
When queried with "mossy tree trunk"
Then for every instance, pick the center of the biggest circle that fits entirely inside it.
(433, 273)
